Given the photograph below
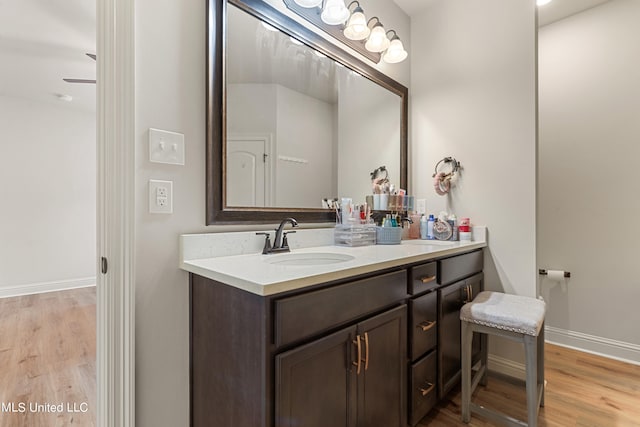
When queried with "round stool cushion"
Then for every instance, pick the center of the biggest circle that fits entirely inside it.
(513, 313)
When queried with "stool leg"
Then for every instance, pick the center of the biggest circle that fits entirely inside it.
(531, 353)
(467, 342)
(484, 343)
(541, 362)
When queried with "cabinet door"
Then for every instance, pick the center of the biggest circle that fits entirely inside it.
(382, 380)
(451, 299)
(316, 383)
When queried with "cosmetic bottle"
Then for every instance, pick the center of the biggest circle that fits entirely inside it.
(423, 227)
(430, 223)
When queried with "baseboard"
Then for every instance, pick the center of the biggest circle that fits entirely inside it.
(506, 367)
(38, 288)
(605, 347)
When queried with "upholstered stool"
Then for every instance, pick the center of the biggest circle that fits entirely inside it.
(511, 316)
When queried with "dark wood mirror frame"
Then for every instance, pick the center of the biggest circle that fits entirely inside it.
(217, 212)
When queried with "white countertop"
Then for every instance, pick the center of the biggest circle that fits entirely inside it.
(254, 273)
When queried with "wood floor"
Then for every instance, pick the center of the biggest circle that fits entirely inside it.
(47, 357)
(582, 390)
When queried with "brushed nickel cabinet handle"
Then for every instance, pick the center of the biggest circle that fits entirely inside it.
(425, 326)
(366, 351)
(428, 279)
(427, 390)
(357, 344)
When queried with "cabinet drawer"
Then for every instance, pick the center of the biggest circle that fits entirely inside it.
(424, 331)
(423, 278)
(308, 314)
(457, 267)
(424, 392)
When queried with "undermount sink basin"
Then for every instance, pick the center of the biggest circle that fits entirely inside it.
(429, 242)
(320, 258)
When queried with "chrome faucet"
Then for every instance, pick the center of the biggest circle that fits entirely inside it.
(280, 243)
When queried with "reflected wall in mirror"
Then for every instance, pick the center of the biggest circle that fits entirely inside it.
(292, 124)
(300, 126)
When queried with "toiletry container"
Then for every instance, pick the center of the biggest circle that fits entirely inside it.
(423, 227)
(465, 230)
(453, 222)
(414, 227)
(430, 223)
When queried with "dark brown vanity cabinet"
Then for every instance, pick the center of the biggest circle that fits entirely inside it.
(354, 377)
(333, 355)
(376, 350)
(451, 298)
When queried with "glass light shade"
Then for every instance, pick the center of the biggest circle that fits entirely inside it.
(378, 40)
(542, 2)
(395, 53)
(308, 3)
(334, 12)
(357, 28)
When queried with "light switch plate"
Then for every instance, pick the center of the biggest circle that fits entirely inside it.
(166, 147)
(160, 196)
(421, 206)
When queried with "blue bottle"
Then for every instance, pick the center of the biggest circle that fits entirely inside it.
(430, 223)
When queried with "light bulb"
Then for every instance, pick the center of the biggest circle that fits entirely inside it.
(542, 2)
(357, 28)
(395, 53)
(334, 12)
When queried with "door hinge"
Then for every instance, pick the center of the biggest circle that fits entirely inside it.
(264, 157)
(104, 265)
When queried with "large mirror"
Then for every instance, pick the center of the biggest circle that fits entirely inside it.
(295, 121)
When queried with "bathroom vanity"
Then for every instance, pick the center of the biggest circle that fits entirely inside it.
(372, 341)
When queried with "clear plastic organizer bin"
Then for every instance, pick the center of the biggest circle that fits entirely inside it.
(388, 235)
(354, 235)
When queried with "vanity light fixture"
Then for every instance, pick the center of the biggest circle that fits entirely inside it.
(542, 2)
(334, 12)
(308, 3)
(356, 27)
(378, 40)
(395, 53)
(368, 38)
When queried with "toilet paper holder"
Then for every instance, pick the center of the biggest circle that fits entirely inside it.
(543, 272)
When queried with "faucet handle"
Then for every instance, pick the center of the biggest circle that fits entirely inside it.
(285, 243)
(267, 243)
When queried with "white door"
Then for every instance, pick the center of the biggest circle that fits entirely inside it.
(247, 177)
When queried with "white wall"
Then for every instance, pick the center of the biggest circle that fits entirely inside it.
(588, 181)
(170, 94)
(301, 127)
(254, 100)
(362, 149)
(48, 193)
(473, 97)
(305, 132)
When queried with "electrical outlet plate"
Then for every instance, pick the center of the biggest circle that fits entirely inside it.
(166, 147)
(160, 196)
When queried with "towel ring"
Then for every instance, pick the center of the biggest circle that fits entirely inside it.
(442, 179)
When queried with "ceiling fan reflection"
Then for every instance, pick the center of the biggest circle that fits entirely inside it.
(91, 81)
